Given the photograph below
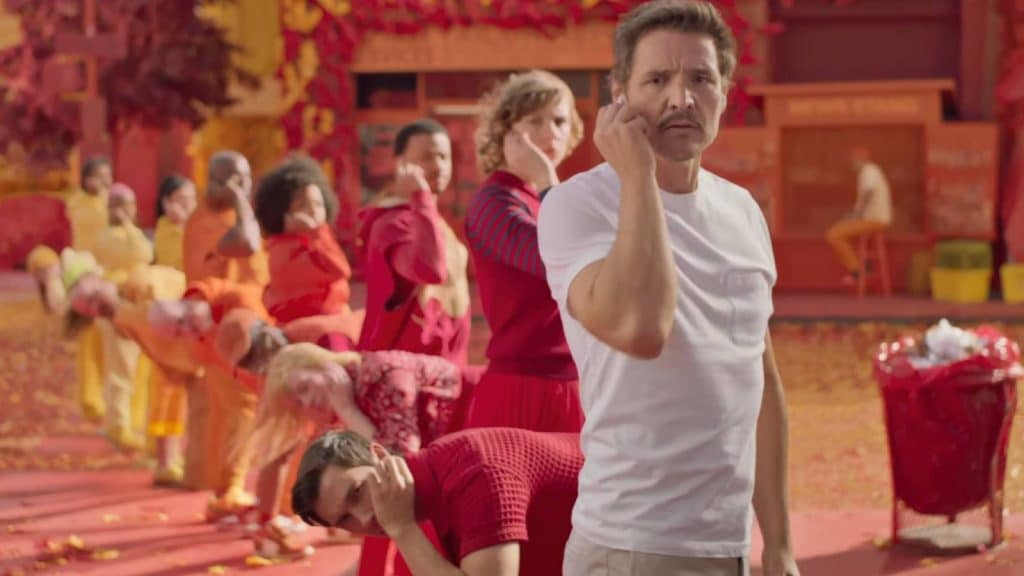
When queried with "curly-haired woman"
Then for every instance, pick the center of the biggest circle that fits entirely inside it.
(529, 125)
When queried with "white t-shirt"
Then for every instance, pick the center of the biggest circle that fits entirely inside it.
(670, 442)
(873, 192)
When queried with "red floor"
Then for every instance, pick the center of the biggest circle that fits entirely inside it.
(58, 479)
(127, 528)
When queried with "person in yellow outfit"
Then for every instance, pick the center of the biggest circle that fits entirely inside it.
(87, 212)
(176, 200)
(92, 295)
(43, 263)
(222, 240)
(119, 249)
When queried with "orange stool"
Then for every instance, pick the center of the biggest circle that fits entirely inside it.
(871, 250)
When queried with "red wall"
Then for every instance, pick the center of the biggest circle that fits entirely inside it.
(144, 156)
(826, 41)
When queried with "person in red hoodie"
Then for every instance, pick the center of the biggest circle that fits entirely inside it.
(416, 284)
(308, 269)
(417, 290)
(529, 125)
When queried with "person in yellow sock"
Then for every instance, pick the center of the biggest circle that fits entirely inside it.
(119, 249)
(125, 307)
(87, 212)
(176, 200)
(222, 240)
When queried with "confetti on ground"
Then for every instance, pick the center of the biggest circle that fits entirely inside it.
(106, 555)
(258, 561)
(839, 454)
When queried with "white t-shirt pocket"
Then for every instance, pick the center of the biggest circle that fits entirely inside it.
(749, 295)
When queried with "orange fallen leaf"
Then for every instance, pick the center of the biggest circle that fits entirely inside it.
(76, 542)
(928, 562)
(106, 555)
(882, 542)
(111, 518)
(258, 561)
(162, 517)
(217, 569)
(61, 561)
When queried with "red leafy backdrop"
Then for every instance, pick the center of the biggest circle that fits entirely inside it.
(177, 67)
(336, 28)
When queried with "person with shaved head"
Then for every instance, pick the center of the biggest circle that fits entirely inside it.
(222, 240)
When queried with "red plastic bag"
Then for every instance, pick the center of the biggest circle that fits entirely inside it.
(949, 424)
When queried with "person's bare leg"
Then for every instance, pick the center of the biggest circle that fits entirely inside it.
(270, 486)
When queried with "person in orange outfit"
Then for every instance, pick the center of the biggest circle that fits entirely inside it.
(87, 213)
(222, 241)
(308, 269)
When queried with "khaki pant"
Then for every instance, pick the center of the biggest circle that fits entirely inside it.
(120, 357)
(584, 558)
(842, 235)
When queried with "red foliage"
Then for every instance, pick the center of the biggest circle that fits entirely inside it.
(175, 67)
(338, 37)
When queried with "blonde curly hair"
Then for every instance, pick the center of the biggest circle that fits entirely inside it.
(518, 96)
(278, 426)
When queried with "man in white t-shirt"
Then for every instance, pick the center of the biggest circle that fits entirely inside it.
(663, 274)
(871, 213)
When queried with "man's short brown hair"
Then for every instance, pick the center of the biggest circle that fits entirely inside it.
(679, 16)
(342, 448)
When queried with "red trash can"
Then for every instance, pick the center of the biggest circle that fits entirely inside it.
(948, 428)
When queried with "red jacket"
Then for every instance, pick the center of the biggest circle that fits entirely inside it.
(308, 276)
(405, 248)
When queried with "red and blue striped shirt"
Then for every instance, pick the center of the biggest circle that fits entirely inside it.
(526, 330)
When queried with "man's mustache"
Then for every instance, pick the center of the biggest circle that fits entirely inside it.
(679, 118)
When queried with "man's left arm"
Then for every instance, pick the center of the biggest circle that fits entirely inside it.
(771, 498)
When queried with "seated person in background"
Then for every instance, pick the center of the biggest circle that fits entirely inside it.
(499, 498)
(872, 212)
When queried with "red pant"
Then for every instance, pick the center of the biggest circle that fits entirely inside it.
(529, 402)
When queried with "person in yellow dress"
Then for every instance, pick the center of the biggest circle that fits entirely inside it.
(87, 212)
(175, 202)
(119, 249)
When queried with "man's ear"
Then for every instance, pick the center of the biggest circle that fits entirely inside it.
(617, 89)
